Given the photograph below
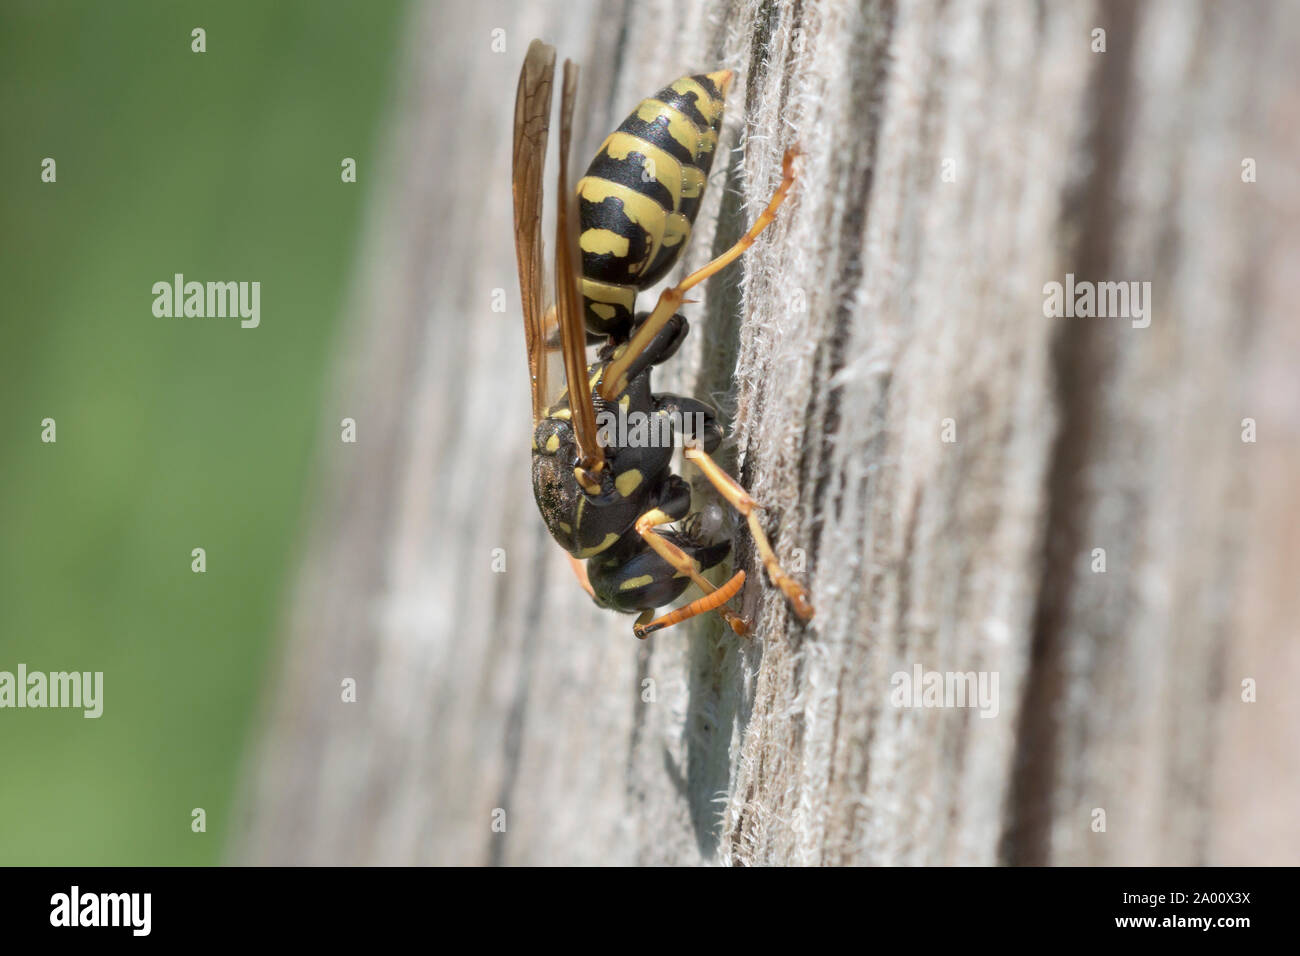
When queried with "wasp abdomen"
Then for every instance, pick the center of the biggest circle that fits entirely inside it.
(641, 193)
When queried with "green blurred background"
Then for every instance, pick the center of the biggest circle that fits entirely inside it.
(172, 433)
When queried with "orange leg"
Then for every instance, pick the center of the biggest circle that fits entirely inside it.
(710, 602)
(682, 562)
(740, 499)
(670, 299)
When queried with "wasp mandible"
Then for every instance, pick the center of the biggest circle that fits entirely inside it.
(617, 504)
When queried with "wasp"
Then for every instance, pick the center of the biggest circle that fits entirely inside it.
(614, 502)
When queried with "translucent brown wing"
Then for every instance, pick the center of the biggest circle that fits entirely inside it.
(568, 299)
(532, 125)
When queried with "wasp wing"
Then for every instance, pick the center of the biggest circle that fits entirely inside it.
(532, 126)
(568, 298)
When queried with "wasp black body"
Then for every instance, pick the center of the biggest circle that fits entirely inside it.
(606, 496)
(625, 573)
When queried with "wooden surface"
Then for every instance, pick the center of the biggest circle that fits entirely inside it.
(885, 301)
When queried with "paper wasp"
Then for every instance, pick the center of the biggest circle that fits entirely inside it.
(620, 231)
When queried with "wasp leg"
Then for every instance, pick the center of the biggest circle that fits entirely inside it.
(659, 350)
(615, 379)
(710, 602)
(740, 499)
(682, 562)
(580, 572)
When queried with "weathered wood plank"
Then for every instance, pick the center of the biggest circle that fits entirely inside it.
(888, 300)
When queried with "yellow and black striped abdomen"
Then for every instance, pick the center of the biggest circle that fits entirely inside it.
(641, 193)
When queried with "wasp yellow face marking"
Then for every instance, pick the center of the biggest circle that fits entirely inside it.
(709, 107)
(628, 482)
(596, 549)
(606, 312)
(603, 242)
(632, 584)
(563, 414)
(565, 527)
(553, 444)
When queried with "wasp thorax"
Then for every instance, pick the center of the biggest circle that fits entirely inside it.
(553, 438)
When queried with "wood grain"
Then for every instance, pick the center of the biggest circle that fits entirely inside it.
(890, 304)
